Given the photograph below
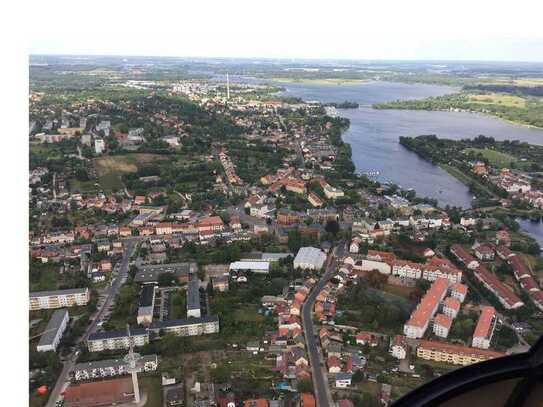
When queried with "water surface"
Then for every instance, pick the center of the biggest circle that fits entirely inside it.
(374, 134)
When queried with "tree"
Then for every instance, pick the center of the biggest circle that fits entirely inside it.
(305, 386)
(376, 279)
(166, 279)
(332, 226)
(358, 376)
(294, 240)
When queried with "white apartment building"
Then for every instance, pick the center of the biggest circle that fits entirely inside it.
(114, 340)
(188, 327)
(59, 299)
(482, 336)
(442, 325)
(409, 269)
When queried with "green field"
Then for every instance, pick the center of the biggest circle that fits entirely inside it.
(499, 99)
(152, 386)
(109, 169)
(496, 158)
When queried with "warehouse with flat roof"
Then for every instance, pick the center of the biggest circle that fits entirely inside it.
(309, 258)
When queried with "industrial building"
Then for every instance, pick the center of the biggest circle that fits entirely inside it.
(309, 258)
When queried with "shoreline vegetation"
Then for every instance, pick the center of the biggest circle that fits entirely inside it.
(321, 81)
(514, 108)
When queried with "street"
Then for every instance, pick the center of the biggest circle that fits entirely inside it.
(111, 293)
(320, 380)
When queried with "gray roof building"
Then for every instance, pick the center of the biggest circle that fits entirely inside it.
(150, 274)
(53, 331)
(193, 298)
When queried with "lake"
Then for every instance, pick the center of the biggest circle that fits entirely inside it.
(533, 229)
(374, 134)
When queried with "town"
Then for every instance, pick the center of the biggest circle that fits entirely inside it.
(202, 242)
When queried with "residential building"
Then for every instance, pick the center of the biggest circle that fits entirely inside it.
(111, 367)
(118, 339)
(146, 305)
(459, 291)
(482, 336)
(220, 283)
(99, 146)
(463, 256)
(315, 200)
(193, 299)
(442, 325)
(505, 295)
(59, 299)
(188, 327)
(399, 347)
(484, 252)
(454, 354)
(212, 223)
(261, 267)
(417, 324)
(343, 380)
(451, 307)
(54, 330)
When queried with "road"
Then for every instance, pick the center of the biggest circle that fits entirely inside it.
(320, 380)
(111, 293)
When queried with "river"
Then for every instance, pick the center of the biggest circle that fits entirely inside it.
(374, 134)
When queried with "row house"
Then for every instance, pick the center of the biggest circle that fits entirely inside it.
(505, 295)
(464, 257)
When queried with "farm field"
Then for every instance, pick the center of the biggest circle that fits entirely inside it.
(499, 99)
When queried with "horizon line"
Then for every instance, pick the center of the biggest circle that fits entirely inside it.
(291, 58)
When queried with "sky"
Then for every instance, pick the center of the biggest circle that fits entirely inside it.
(405, 29)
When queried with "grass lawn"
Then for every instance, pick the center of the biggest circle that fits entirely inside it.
(153, 387)
(499, 99)
(369, 387)
(82, 186)
(248, 314)
(496, 158)
(110, 168)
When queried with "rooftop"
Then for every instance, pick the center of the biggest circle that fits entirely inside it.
(52, 327)
(193, 294)
(37, 294)
(484, 324)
